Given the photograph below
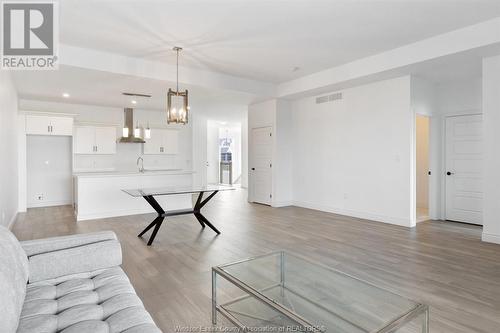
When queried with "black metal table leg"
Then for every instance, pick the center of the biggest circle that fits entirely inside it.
(155, 231)
(162, 214)
(200, 216)
(195, 209)
(157, 221)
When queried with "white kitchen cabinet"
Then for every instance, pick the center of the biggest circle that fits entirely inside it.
(61, 126)
(105, 140)
(84, 140)
(95, 140)
(154, 144)
(162, 142)
(49, 125)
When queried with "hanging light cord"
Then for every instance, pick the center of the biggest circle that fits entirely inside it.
(177, 70)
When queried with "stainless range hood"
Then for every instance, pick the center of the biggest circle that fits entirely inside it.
(129, 123)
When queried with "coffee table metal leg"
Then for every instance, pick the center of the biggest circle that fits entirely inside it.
(214, 297)
(425, 325)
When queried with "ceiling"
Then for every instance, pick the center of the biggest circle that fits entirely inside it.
(273, 41)
(93, 87)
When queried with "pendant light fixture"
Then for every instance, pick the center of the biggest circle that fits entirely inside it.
(147, 132)
(177, 101)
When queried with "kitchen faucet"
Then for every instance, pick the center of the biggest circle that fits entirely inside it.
(141, 168)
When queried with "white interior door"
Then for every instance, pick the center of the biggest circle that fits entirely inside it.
(464, 177)
(261, 172)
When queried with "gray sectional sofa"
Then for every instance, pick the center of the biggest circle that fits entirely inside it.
(67, 284)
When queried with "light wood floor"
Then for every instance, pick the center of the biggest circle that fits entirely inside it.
(442, 264)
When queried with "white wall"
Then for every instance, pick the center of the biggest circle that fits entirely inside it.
(460, 97)
(8, 150)
(244, 153)
(49, 173)
(199, 126)
(491, 121)
(213, 158)
(283, 155)
(422, 158)
(354, 156)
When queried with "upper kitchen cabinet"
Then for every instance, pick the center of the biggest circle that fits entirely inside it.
(49, 125)
(162, 142)
(95, 140)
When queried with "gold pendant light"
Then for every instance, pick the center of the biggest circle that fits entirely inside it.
(177, 101)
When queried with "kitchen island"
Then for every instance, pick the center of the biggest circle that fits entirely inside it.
(99, 194)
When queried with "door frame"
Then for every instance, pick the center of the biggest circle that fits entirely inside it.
(444, 159)
(431, 188)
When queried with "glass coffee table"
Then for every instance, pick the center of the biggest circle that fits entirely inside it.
(281, 292)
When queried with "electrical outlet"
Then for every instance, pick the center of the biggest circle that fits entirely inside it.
(3, 218)
(346, 196)
(39, 197)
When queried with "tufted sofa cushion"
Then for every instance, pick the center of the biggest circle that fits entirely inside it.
(104, 302)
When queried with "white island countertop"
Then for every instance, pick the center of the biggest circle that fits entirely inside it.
(99, 194)
(119, 173)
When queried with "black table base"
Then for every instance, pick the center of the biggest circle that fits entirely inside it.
(162, 214)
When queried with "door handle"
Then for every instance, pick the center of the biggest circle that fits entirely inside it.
(450, 173)
(253, 169)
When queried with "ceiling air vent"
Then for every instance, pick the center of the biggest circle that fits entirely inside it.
(328, 98)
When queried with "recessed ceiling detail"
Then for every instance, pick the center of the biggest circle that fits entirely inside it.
(263, 40)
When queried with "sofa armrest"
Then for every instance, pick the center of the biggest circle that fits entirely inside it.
(60, 256)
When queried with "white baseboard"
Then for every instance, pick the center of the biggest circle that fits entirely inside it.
(39, 204)
(490, 238)
(12, 221)
(358, 214)
(278, 204)
(422, 218)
